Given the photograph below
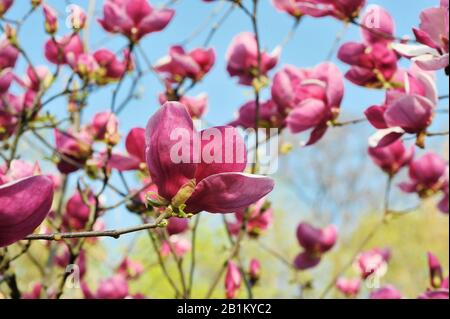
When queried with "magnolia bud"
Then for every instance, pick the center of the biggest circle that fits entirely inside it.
(51, 19)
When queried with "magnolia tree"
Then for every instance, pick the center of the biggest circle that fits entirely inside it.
(185, 172)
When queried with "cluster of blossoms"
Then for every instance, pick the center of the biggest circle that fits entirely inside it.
(182, 171)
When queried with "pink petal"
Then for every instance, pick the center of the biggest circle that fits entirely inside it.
(24, 204)
(228, 192)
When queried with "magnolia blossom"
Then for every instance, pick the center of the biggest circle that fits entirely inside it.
(315, 242)
(180, 64)
(78, 211)
(233, 279)
(76, 148)
(259, 218)
(105, 126)
(372, 262)
(386, 292)
(340, 9)
(18, 169)
(373, 63)
(51, 19)
(77, 17)
(134, 19)
(109, 68)
(349, 287)
(24, 204)
(6, 78)
(180, 246)
(115, 287)
(11, 107)
(436, 272)
(243, 62)
(269, 116)
(435, 294)
(254, 271)
(199, 171)
(428, 176)
(408, 109)
(65, 49)
(196, 106)
(309, 98)
(4, 6)
(35, 78)
(8, 55)
(63, 261)
(433, 34)
(177, 225)
(131, 269)
(393, 157)
(34, 293)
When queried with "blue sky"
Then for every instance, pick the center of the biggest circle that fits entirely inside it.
(310, 46)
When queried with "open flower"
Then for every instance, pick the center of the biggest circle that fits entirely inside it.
(180, 64)
(310, 98)
(373, 261)
(428, 176)
(242, 59)
(259, 218)
(373, 63)
(64, 50)
(408, 109)
(433, 52)
(315, 243)
(134, 19)
(202, 171)
(180, 245)
(269, 116)
(393, 157)
(24, 204)
(233, 279)
(110, 69)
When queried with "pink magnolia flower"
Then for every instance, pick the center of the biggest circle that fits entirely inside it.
(180, 64)
(34, 79)
(18, 169)
(298, 8)
(233, 279)
(269, 116)
(105, 126)
(74, 145)
(78, 211)
(77, 17)
(393, 157)
(386, 292)
(428, 176)
(51, 19)
(207, 174)
(115, 287)
(6, 78)
(373, 62)
(63, 261)
(65, 49)
(109, 68)
(408, 109)
(372, 261)
(134, 19)
(177, 225)
(315, 242)
(345, 10)
(24, 204)
(131, 269)
(8, 55)
(196, 106)
(436, 273)
(310, 98)
(181, 246)
(259, 218)
(242, 59)
(4, 6)
(349, 287)
(254, 271)
(433, 34)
